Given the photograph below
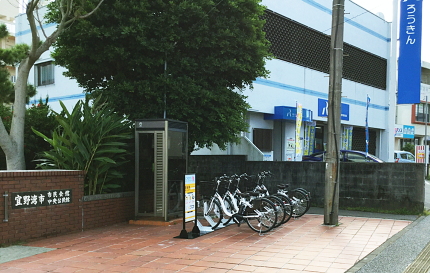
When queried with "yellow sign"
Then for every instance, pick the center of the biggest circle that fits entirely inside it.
(190, 197)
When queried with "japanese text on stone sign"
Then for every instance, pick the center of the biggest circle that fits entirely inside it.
(41, 198)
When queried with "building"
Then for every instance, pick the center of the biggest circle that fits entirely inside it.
(45, 76)
(7, 16)
(300, 36)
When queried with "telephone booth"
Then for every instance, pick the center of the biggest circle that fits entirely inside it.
(161, 148)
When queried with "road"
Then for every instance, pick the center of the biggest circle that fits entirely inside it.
(427, 195)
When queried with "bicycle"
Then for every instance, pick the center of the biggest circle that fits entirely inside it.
(259, 213)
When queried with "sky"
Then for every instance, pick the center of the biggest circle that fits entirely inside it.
(386, 7)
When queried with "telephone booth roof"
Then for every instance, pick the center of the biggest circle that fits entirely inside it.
(160, 125)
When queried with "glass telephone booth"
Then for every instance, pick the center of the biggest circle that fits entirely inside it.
(161, 148)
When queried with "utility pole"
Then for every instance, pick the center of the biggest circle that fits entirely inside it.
(331, 197)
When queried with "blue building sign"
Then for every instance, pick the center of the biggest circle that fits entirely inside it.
(408, 131)
(409, 70)
(323, 109)
(288, 113)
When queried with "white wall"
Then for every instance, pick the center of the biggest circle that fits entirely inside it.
(64, 89)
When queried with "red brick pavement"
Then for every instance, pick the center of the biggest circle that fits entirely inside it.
(301, 245)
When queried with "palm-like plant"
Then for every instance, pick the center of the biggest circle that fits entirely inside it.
(90, 138)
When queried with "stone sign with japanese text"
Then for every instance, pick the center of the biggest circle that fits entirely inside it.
(32, 199)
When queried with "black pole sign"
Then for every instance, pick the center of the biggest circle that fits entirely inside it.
(30, 199)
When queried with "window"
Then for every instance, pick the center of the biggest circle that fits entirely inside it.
(420, 112)
(352, 157)
(262, 139)
(44, 74)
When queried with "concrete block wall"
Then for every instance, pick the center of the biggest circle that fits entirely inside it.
(387, 186)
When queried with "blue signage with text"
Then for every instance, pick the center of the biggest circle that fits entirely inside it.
(409, 70)
(408, 131)
(323, 109)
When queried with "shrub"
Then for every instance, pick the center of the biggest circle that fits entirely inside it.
(90, 138)
(409, 147)
(38, 116)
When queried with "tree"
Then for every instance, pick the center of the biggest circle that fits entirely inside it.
(11, 57)
(189, 58)
(70, 11)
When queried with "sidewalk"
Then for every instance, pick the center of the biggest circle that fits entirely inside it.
(301, 245)
(407, 251)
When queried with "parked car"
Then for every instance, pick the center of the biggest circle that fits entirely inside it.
(404, 157)
(345, 156)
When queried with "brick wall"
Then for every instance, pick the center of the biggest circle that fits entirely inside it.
(25, 224)
(108, 209)
(30, 223)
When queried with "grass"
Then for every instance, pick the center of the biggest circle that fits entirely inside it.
(17, 243)
(425, 213)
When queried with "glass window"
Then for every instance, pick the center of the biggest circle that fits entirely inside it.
(411, 157)
(44, 73)
(404, 156)
(419, 112)
(352, 157)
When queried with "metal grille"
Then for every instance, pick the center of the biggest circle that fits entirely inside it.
(359, 140)
(159, 174)
(299, 44)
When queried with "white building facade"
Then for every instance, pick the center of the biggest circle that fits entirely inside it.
(301, 77)
(299, 32)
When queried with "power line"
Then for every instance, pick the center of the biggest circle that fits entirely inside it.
(366, 11)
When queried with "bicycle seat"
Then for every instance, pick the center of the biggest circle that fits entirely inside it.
(283, 186)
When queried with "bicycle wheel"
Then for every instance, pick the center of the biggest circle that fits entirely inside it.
(209, 212)
(230, 209)
(262, 216)
(287, 207)
(280, 209)
(308, 196)
(300, 203)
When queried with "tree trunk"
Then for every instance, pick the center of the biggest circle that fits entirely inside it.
(15, 159)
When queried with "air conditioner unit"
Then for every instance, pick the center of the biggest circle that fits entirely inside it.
(13, 79)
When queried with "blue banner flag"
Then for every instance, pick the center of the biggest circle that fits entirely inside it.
(367, 126)
(409, 77)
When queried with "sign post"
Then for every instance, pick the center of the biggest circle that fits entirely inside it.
(190, 207)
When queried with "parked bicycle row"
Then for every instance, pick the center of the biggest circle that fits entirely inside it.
(245, 198)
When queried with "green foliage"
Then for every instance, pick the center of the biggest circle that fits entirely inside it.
(409, 147)
(90, 138)
(212, 49)
(39, 117)
(11, 57)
